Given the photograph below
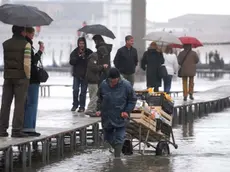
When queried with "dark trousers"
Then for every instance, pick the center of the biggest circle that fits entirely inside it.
(13, 88)
(130, 78)
(31, 107)
(79, 85)
(114, 135)
(167, 83)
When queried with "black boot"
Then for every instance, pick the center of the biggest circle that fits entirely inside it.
(191, 97)
(74, 108)
(185, 98)
(117, 150)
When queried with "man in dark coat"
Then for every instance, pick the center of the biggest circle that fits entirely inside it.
(126, 59)
(116, 100)
(151, 62)
(78, 59)
(103, 51)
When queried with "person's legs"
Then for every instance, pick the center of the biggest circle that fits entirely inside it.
(31, 110)
(20, 91)
(167, 83)
(191, 87)
(7, 97)
(129, 78)
(156, 89)
(91, 109)
(109, 136)
(76, 85)
(83, 93)
(119, 138)
(185, 87)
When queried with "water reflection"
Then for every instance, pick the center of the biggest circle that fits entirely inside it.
(148, 163)
(187, 129)
(203, 146)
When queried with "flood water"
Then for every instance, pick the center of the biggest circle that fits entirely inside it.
(203, 146)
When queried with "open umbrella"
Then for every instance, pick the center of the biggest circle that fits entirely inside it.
(22, 15)
(163, 37)
(188, 40)
(97, 29)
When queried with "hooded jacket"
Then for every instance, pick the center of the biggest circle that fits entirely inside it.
(79, 61)
(103, 51)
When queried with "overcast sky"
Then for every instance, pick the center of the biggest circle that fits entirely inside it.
(157, 10)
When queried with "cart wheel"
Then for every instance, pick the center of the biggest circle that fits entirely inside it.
(162, 149)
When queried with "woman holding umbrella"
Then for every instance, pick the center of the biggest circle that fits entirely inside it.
(187, 59)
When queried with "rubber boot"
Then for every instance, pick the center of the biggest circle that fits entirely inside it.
(191, 97)
(117, 150)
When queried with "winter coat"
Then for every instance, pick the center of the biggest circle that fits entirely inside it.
(171, 63)
(188, 68)
(94, 69)
(79, 61)
(103, 52)
(112, 101)
(151, 62)
(126, 60)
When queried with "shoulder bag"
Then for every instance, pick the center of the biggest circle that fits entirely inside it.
(42, 74)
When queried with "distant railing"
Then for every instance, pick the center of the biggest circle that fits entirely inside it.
(45, 90)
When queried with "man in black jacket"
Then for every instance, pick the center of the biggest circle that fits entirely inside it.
(126, 59)
(78, 59)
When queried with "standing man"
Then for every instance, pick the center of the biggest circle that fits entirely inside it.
(17, 61)
(103, 52)
(116, 100)
(126, 60)
(78, 60)
(93, 75)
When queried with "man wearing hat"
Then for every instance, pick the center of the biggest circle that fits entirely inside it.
(116, 100)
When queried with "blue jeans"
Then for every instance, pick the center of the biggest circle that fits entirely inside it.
(31, 107)
(167, 83)
(79, 83)
(114, 135)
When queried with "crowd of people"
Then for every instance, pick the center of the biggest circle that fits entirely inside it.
(91, 68)
(110, 88)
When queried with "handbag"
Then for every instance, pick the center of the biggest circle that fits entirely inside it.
(42, 74)
(163, 71)
(179, 71)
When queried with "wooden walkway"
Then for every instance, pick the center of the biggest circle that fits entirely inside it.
(79, 131)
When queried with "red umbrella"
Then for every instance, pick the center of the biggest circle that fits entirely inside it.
(188, 40)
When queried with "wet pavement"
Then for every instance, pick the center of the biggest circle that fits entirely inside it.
(203, 146)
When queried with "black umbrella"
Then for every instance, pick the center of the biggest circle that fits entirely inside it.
(22, 15)
(97, 29)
